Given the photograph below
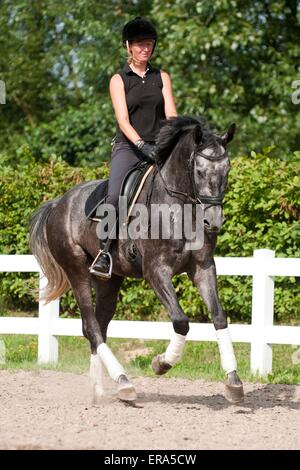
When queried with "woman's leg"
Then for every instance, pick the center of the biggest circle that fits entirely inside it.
(124, 157)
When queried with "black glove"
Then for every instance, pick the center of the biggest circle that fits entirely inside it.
(149, 150)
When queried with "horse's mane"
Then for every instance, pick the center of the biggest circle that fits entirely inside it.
(174, 128)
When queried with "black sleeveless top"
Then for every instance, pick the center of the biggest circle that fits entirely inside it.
(145, 102)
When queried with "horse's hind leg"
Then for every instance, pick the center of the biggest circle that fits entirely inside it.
(106, 300)
(80, 280)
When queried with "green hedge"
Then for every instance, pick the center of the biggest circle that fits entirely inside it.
(262, 208)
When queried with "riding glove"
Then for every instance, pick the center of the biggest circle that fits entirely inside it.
(148, 150)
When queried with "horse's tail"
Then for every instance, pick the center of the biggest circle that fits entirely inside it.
(58, 282)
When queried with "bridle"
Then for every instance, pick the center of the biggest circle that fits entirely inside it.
(202, 199)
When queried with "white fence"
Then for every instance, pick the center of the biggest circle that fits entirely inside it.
(263, 266)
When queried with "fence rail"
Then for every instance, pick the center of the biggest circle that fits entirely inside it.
(261, 333)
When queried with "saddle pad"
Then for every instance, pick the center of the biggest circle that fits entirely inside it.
(95, 199)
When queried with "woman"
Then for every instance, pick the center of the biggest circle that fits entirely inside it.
(142, 98)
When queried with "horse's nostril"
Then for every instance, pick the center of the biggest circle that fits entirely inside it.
(206, 223)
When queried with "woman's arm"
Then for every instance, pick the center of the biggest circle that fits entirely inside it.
(170, 108)
(117, 94)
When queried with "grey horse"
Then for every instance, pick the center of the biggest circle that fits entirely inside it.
(191, 168)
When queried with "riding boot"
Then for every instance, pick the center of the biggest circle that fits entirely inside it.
(102, 265)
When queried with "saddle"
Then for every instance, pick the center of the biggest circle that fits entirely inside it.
(131, 187)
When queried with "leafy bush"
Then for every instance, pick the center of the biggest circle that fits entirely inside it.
(81, 136)
(262, 208)
(22, 190)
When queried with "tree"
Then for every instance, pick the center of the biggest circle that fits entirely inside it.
(235, 60)
(230, 60)
(58, 58)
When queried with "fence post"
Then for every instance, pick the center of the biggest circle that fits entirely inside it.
(262, 313)
(47, 343)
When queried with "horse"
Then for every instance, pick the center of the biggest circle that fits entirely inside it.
(191, 167)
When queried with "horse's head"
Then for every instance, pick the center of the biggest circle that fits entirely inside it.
(209, 164)
(186, 138)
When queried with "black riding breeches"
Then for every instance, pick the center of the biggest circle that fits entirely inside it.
(124, 156)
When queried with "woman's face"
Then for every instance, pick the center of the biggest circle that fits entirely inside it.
(141, 50)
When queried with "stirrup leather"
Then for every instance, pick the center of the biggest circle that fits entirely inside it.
(99, 273)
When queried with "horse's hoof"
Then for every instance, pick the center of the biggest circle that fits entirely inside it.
(234, 393)
(126, 391)
(159, 366)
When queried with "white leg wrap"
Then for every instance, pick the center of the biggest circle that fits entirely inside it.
(228, 360)
(96, 375)
(174, 350)
(111, 363)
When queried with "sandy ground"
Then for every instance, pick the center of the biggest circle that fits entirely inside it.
(53, 410)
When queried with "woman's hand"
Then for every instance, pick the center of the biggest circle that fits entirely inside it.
(149, 150)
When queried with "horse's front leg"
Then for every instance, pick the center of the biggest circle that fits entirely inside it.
(204, 278)
(160, 280)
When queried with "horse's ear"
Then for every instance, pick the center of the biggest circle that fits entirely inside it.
(228, 136)
(197, 134)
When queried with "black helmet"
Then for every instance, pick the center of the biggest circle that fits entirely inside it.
(138, 29)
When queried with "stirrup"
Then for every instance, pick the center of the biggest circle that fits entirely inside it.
(99, 273)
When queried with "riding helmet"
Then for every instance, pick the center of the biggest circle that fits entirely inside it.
(137, 29)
